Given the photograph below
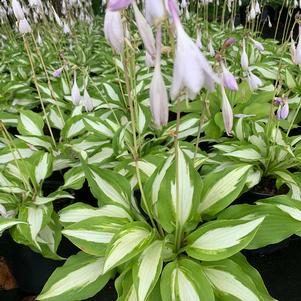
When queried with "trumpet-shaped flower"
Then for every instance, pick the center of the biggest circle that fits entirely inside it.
(75, 93)
(115, 5)
(158, 92)
(210, 48)
(227, 112)
(254, 81)
(17, 9)
(24, 26)
(113, 30)
(244, 61)
(145, 31)
(228, 79)
(191, 69)
(155, 11)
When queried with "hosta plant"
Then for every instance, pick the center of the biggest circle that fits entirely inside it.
(163, 243)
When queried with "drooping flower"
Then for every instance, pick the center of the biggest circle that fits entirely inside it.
(269, 22)
(283, 107)
(115, 5)
(228, 79)
(75, 93)
(17, 9)
(145, 31)
(257, 45)
(191, 69)
(87, 101)
(155, 11)
(254, 81)
(298, 49)
(24, 26)
(58, 72)
(113, 30)
(227, 112)
(158, 92)
(244, 61)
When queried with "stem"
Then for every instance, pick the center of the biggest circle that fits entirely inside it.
(277, 26)
(294, 118)
(178, 236)
(34, 77)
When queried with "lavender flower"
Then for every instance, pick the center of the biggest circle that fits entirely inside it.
(115, 5)
(58, 72)
(113, 30)
(191, 69)
(228, 79)
(158, 92)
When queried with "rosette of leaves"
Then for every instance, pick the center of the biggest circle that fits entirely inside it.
(271, 153)
(165, 242)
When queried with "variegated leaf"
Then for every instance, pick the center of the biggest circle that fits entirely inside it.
(81, 277)
(148, 269)
(222, 188)
(184, 280)
(94, 234)
(131, 240)
(220, 239)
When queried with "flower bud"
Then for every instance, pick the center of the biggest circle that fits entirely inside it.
(244, 61)
(158, 92)
(145, 31)
(87, 101)
(229, 42)
(113, 30)
(75, 93)
(227, 112)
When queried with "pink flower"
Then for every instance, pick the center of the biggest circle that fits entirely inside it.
(158, 92)
(228, 79)
(113, 30)
(145, 31)
(191, 69)
(115, 5)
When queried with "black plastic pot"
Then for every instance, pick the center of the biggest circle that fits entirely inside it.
(31, 270)
(280, 268)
